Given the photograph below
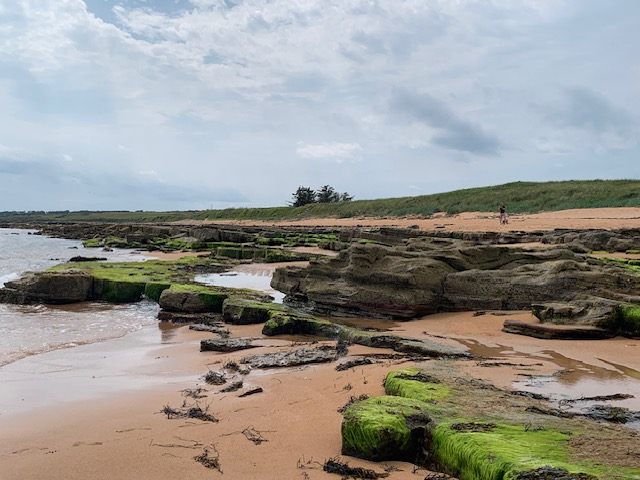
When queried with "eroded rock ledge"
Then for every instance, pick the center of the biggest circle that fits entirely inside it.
(428, 275)
(473, 430)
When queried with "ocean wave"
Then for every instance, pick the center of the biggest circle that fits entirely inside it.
(35, 330)
(10, 357)
(8, 277)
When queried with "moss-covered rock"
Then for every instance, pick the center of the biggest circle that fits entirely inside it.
(629, 320)
(500, 453)
(240, 311)
(238, 253)
(482, 433)
(92, 243)
(385, 428)
(266, 254)
(49, 287)
(153, 290)
(192, 299)
(290, 323)
(162, 271)
(412, 383)
(116, 242)
(117, 291)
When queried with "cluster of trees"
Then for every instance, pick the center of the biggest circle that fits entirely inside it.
(326, 194)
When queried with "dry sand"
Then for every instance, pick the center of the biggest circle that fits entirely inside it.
(608, 218)
(159, 255)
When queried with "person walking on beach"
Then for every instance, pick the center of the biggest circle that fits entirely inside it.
(503, 215)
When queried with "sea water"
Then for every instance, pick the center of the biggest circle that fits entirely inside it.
(32, 329)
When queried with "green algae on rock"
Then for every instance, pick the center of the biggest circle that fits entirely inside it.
(192, 299)
(49, 288)
(153, 290)
(385, 428)
(294, 323)
(479, 432)
(122, 282)
(412, 383)
(629, 319)
(504, 452)
(240, 311)
(115, 291)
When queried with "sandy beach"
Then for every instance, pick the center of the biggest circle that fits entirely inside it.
(607, 218)
(319, 240)
(105, 421)
(94, 411)
(116, 430)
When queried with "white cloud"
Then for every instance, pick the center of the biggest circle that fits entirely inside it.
(148, 173)
(333, 151)
(188, 91)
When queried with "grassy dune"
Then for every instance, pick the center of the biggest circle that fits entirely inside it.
(520, 197)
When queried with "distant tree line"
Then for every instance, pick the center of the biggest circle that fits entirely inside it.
(326, 194)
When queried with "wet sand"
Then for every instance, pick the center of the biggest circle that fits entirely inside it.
(93, 411)
(103, 422)
(564, 369)
(607, 218)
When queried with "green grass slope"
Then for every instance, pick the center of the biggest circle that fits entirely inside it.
(518, 196)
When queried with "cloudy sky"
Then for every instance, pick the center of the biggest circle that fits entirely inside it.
(176, 104)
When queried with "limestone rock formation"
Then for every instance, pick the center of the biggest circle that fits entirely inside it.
(49, 287)
(427, 275)
(191, 301)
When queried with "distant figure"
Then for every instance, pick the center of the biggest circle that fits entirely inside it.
(504, 219)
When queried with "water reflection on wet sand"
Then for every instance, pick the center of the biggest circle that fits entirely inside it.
(560, 369)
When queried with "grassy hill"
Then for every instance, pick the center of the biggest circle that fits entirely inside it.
(518, 196)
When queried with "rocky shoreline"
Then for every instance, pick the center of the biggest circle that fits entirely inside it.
(432, 414)
(427, 275)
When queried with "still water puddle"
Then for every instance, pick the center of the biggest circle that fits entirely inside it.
(573, 379)
(256, 280)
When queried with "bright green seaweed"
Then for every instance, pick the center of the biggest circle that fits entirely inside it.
(121, 282)
(506, 445)
(399, 383)
(502, 452)
(629, 319)
(377, 428)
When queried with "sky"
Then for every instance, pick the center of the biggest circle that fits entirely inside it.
(191, 104)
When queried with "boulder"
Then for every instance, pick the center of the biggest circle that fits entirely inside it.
(290, 323)
(385, 428)
(293, 358)
(591, 311)
(117, 291)
(49, 288)
(225, 345)
(188, 299)
(238, 311)
(367, 279)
